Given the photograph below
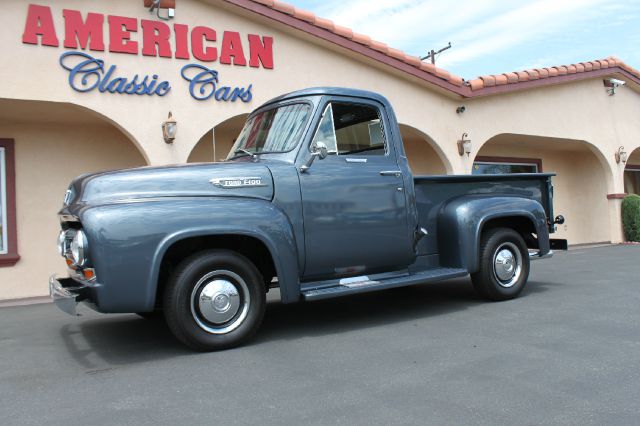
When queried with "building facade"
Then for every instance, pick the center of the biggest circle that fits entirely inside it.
(87, 85)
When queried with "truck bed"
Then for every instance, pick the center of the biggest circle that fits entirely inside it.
(432, 192)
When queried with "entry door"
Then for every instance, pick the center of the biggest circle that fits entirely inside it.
(354, 206)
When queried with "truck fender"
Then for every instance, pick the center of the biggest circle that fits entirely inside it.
(134, 237)
(461, 222)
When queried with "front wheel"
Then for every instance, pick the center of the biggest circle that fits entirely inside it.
(214, 300)
(504, 265)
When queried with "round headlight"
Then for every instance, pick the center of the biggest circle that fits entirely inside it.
(79, 249)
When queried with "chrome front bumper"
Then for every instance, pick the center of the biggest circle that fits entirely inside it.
(65, 293)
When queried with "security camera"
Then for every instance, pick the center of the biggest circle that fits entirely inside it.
(616, 83)
(612, 84)
(461, 109)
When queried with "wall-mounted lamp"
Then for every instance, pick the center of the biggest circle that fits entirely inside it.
(464, 145)
(156, 5)
(612, 84)
(169, 129)
(621, 155)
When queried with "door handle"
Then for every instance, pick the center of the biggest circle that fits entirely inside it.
(396, 173)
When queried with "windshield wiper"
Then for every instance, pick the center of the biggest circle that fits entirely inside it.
(243, 151)
(253, 155)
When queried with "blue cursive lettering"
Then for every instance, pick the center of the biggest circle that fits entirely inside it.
(204, 84)
(87, 73)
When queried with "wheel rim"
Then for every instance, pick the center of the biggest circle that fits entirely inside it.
(220, 302)
(507, 264)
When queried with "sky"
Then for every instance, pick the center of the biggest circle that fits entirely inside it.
(495, 36)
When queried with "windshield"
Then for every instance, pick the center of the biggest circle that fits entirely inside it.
(274, 130)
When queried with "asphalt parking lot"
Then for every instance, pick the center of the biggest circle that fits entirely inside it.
(566, 352)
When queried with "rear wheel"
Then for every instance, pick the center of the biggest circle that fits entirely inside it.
(214, 300)
(504, 265)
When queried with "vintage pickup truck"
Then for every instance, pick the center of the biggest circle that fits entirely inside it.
(316, 198)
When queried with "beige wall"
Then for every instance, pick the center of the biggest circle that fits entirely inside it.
(203, 151)
(48, 157)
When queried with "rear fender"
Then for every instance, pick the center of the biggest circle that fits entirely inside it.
(462, 220)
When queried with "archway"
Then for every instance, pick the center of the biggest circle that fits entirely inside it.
(217, 142)
(632, 173)
(53, 143)
(424, 155)
(581, 184)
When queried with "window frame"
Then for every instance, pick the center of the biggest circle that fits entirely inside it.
(631, 168)
(379, 111)
(517, 161)
(8, 190)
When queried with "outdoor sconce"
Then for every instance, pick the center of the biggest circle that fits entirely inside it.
(168, 5)
(169, 129)
(621, 155)
(464, 145)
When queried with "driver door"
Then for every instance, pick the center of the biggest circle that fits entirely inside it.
(354, 204)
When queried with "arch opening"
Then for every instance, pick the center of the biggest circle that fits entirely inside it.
(424, 155)
(53, 143)
(216, 143)
(583, 179)
(632, 173)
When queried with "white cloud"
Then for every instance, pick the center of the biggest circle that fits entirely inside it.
(477, 28)
(526, 23)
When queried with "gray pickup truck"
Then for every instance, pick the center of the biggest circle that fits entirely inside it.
(317, 199)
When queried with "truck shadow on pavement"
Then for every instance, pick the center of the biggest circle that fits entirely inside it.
(374, 309)
(105, 342)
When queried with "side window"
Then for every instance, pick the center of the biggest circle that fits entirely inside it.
(4, 245)
(8, 234)
(326, 131)
(351, 129)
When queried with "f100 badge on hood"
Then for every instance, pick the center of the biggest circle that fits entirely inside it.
(237, 182)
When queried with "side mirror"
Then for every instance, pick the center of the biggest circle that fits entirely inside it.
(318, 149)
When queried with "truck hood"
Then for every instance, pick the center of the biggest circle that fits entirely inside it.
(240, 179)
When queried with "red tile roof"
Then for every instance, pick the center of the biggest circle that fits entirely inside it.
(543, 73)
(488, 84)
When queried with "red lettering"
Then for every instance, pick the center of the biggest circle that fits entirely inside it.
(120, 29)
(232, 48)
(182, 45)
(40, 23)
(198, 36)
(83, 32)
(155, 39)
(261, 51)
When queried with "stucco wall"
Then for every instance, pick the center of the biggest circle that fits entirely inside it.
(48, 157)
(577, 111)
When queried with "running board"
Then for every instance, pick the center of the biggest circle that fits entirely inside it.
(362, 286)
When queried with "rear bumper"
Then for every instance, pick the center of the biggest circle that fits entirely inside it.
(66, 293)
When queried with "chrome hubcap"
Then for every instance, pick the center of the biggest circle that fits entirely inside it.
(507, 264)
(220, 302)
